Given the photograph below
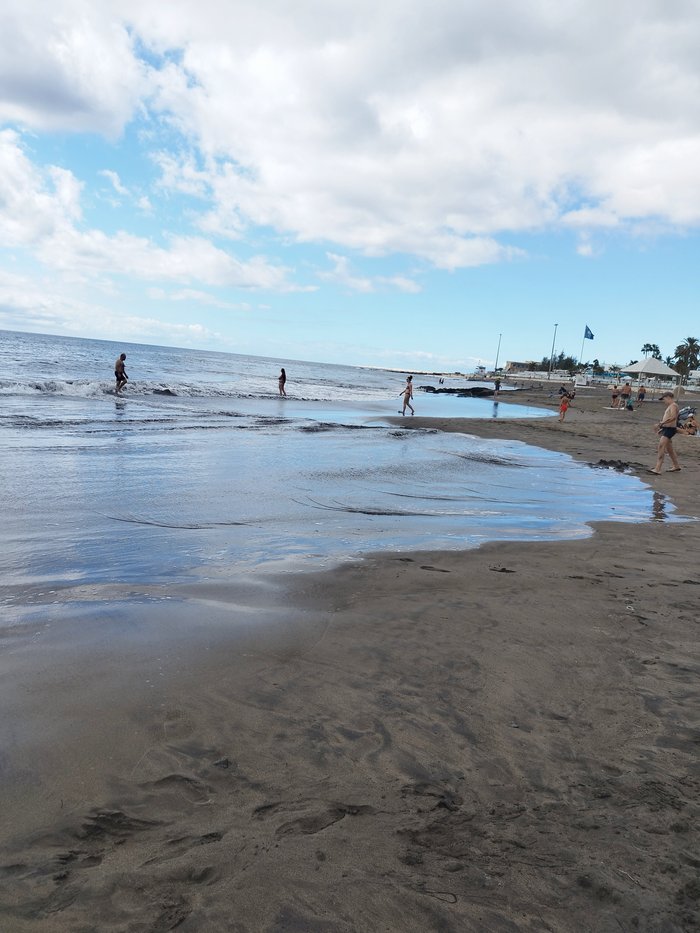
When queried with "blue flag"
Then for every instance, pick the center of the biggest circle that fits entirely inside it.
(588, 333)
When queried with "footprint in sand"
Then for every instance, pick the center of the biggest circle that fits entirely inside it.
(177, 724)
(315, 822)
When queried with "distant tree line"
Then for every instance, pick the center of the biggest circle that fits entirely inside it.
(562, 361)
(685, 358)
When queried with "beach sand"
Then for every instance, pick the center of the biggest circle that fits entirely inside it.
(501, 739)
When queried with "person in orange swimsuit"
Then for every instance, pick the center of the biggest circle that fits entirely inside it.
(564, 405)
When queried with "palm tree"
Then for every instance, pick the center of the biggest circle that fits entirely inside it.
(647, 349)
(687, 355)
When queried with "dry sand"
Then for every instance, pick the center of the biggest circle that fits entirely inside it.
(502, 739)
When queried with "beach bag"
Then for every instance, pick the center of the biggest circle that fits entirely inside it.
(684, 414)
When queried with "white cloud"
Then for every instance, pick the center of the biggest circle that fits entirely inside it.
(195, 297)
(186, 259)
(585, 246)
(479, 121)
(32, 206)
(400, 283)
(426, 361)
(435, 129)
(41, 306)
(68, 66)
(180, 173)
(590, 217)
(114, 180)
(39, 211)
(342, 274)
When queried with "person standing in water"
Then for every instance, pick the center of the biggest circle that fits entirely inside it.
(407, 396)
(120, 373)
(282, 380)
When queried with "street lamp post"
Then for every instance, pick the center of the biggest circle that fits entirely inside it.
(495, 368)
(551, 355)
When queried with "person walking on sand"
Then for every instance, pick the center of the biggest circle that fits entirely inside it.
(641, 394)
(564, 405)
(625, 395)
(120, 373)
(667, 428)
(407, 396)
(281, 382)
(614, 396)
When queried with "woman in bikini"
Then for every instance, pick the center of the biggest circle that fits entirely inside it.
(407, 396)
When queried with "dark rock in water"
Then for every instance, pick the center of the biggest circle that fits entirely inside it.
(164, 392)
(466, 392)
(620, 465)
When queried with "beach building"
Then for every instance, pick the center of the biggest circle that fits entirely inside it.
(513, 367)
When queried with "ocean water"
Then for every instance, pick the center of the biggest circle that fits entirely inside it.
(202, 472)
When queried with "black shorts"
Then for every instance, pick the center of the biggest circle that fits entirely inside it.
(668, 432)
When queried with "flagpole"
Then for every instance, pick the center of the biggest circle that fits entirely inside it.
(495, 368)
(587, 335)
(551, 355)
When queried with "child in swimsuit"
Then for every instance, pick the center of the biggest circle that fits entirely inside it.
(564, 405)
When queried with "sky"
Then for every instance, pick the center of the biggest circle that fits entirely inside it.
(426, 184)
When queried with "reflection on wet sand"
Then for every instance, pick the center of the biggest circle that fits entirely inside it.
(658, 507)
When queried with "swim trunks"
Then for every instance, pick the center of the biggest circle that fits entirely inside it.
(668, 432)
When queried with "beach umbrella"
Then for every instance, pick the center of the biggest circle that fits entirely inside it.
(651, 367)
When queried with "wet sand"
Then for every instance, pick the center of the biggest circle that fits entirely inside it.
(502, 739)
